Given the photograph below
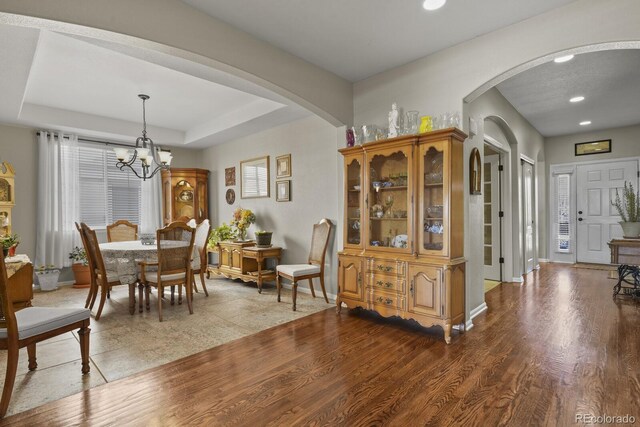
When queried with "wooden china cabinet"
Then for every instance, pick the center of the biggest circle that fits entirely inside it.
(185, 195)
(403, 229)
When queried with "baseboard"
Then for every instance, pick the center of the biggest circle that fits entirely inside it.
(517, 279)
(543, 260)
(473, 313)
(305, 290)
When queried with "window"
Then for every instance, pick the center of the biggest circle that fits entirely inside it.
(563, 202)
(107, 194)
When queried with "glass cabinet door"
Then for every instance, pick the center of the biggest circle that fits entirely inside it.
(435, 210)
(185, 199)
(389, 199)
(353, 208)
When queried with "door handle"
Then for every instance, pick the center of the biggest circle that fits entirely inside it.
(579, 219)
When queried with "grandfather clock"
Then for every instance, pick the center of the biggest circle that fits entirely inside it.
(185, 194)
(7, 197)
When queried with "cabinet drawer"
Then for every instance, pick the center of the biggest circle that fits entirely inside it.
(388, 283)
(398, 268)
(386, 300)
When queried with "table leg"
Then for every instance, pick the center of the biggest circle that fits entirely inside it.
(260, 275)
(140, 296)
(132, 298)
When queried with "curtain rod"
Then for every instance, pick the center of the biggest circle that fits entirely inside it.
(119, 144)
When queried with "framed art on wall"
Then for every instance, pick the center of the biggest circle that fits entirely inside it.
(283, 191)
(254, 178)
(230, 176)
(283, 166)
(593, 147)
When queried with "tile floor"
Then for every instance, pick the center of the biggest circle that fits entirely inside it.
(122, 344)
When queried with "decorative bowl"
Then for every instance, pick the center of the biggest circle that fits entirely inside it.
(434, 211)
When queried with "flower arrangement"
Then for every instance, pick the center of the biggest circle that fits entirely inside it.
(242, 219)
(78, 255)
(220, 234)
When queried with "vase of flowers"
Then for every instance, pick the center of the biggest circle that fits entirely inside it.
(628, 207)
(242, 220)
(80, 268)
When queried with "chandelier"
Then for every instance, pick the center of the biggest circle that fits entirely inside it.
(152, 158)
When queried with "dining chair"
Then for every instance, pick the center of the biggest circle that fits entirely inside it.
(92, 287)
(175, 248)
(104, 280)
(314, 267)
(122, 231)
(199, 263)
(30, 325)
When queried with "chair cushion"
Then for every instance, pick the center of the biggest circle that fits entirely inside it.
(153, 276)
(36, 320)
(297, 270)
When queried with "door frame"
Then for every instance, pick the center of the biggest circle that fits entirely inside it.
(570, 168)
(534, 209)
(496, 184)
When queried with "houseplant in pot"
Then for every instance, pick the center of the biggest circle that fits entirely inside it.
(628, 207)
(47, 277)
(9, 244)
(80, 268)
(263, 238)
(220, 234)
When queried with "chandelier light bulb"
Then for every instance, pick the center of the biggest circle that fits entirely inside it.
(433, 4)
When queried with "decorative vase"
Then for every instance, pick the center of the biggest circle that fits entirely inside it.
(242, 235)
(426, 124)
(263, 240)
(82, 275)
(630, 230)
(351, 138)
(12, 250)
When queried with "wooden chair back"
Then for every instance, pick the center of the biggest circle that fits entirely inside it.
(203, 230)
(319, 242)
(85, 245)
(94, 254)
(175, 247)
(122, 231)
(7, 315)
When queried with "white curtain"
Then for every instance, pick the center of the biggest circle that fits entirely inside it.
(151, 205)
(58, 207)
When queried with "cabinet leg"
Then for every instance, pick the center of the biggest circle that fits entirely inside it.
(447, 333)
(338, 305)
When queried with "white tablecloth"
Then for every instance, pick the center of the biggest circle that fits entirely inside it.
(122, 257)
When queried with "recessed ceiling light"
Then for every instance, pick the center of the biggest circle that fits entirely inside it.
(577, 99)
(585, 123)
(563, 58)
(433, 4)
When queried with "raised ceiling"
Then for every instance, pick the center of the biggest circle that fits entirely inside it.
(609, 81)
(356, 39)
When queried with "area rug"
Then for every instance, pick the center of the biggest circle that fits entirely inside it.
(490, 284)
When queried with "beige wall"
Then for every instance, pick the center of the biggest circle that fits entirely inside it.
(185, 158)
(314, 186)
(18, 146)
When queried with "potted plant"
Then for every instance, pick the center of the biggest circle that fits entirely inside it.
(628, 207)
(263, 238)
(80, 268)
(47, 277)
(242, 219)
(9, 244)
(220, 234)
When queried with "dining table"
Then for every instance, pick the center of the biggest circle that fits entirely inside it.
(123, 257)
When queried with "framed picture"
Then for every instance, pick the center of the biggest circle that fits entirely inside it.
(230, 176)
(283, 166)
(283, 191)
(254, 178)
(593, 147)
(475, 172)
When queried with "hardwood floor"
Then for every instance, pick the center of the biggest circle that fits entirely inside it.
(545, 350)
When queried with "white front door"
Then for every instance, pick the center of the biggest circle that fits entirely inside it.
(492, 245)
(528, 225)
(597, 219)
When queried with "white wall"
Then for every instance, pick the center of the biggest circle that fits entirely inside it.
(314, 187)
(18, 146)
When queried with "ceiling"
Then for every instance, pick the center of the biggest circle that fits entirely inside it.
(609, 81)
(356, 39)
(58, 82)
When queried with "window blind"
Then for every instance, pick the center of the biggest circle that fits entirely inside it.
(107, 194)
(563, 202)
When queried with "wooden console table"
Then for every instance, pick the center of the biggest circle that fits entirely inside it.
(245, 261)
(20, 281)
(626, 253)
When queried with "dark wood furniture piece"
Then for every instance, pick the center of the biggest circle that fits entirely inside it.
(175, 247)
(122, 231)
(101, 280)
(245, 261)
(29, 326)
(313, 268)
(185, 195)
(403, 229)
(21, 291)
(626, 253)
